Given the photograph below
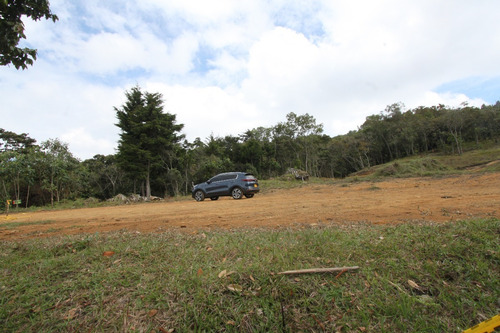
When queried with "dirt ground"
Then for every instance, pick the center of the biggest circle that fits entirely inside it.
(391, 201)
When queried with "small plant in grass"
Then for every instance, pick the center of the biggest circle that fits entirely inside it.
(374, 188)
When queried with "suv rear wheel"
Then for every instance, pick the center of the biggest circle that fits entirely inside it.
(236, 193)
(199, 195)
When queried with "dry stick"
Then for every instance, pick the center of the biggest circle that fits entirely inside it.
(320, 270)
(341, 272)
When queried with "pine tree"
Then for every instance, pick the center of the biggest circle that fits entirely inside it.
(147, 134)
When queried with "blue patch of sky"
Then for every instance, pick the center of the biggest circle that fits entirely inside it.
(485, 88)
(157, 21)
(303, 19)
(120, 78)
(83, 18)
(203, 58)
(164, 27)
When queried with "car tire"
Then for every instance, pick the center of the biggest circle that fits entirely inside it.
(214, 198)
(199, 195)
(236, 193)
(249, 195)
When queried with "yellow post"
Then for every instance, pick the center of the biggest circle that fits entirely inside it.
(487, 326)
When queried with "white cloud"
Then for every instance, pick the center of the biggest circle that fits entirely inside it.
(228, 66)
(52, 105)
(431, 98)
(85, 143)
(110, 52)
(207, 110)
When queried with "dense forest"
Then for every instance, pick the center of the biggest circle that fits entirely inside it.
(153, 158)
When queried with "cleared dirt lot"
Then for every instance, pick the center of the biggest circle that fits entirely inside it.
(391, 201)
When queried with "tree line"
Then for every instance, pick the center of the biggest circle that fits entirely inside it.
(154, 158)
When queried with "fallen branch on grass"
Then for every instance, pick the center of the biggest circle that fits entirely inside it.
(320, 270)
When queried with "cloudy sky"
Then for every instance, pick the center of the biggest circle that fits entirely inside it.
(226, 66)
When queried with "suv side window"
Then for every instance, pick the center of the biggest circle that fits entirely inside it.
(226, 177)
(217, 179)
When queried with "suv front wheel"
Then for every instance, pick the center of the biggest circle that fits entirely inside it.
(199, 195)
(236, 193)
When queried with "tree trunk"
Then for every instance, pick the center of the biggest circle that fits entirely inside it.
(6, 198)
(367, 159)
(27, 196)
(17, 189)
(148, 184)
(457, 138)
(52, 191)
(388, 148)
(58, 193)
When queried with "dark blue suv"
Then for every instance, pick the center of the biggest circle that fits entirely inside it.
(235, 184)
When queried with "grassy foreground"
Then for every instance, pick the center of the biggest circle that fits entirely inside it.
(412, 278)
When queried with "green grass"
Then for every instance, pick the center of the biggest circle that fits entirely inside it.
(288, 182)
(414, 167)
(13, 225)
(171, 280)
(432, 165)
(473, 158)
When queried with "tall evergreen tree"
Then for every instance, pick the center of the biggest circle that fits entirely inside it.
(147, 134)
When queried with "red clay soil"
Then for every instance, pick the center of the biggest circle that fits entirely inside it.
(391, 201)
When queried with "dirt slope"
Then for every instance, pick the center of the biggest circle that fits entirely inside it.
(390, 201)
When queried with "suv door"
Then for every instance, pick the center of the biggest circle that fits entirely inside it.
(214, 186)
(226, 183)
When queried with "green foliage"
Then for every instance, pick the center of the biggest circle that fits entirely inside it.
(102, 177)
(12, 141)
(412, 278)
(151, 158)
(60, 170)
(148, 136)
(396, 133)
(37, 174)
(12, 29)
